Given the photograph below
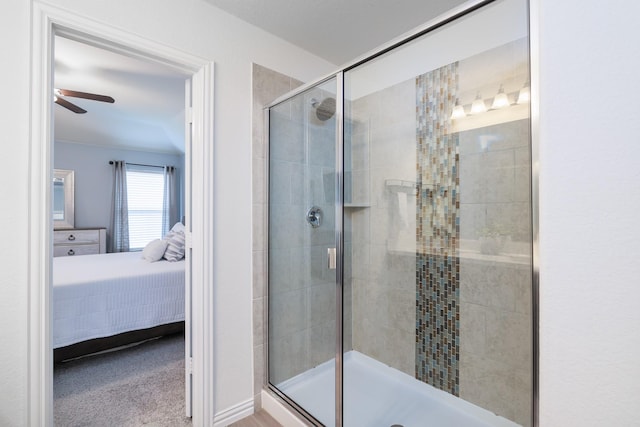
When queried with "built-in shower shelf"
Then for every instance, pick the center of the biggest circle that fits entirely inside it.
(401, 186)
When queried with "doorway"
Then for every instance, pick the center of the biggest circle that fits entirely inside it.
(50, 22)
(110, 108)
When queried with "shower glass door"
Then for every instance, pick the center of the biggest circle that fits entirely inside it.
(438, 228)
(302, 235)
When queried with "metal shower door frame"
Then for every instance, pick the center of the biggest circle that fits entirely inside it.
(339, 191)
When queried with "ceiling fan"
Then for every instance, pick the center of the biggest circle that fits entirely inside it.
(58, 95)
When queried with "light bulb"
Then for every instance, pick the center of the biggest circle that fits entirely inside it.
(524, 95)
(458, 112)
(478, 105)
(500, 100)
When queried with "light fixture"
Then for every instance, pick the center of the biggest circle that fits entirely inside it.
(478, 105)
(524, 95)
(458, 111)
(500, 100)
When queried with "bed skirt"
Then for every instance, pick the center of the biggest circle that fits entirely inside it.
(100, 344)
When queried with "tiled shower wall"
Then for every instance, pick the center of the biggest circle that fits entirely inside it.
(267, 86)
(302, 303)
(383, 224)
(495, 311)
(495, 299)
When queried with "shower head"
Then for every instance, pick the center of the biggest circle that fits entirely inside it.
(325, 109)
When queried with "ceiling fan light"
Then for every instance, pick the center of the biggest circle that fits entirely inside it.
(478, 106)
(500, 100)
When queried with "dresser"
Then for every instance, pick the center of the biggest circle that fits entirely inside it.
(79, 241)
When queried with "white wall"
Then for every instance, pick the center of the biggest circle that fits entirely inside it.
(200, 29)
(14, 82)
(589, 212)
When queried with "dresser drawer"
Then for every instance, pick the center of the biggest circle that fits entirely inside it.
(72, 250)
(76, 236)
(79, 241)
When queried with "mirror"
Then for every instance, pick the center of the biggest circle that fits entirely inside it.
(63, 203)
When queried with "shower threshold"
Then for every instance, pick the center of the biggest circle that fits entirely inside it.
(376, 395)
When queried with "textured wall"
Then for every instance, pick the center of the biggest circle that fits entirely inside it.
(14, 292)
(589, 204)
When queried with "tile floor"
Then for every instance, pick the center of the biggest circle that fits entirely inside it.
(259, 419)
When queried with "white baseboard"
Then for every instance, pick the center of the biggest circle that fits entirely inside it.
(233, 414)
(278, 411)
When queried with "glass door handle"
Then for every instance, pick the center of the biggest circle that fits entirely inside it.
(331, 258)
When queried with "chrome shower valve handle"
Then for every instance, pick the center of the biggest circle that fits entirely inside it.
(314, 216)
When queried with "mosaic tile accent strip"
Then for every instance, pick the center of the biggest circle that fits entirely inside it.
(437, 232)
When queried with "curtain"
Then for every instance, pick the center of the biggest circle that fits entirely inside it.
(170, 200)
(119, 211)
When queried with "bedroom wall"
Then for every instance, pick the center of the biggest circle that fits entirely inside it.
(94, 178)
(200, 29)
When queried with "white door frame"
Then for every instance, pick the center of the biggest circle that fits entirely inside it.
(48, 21)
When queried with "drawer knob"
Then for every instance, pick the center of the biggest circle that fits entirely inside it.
(71, 237)
(71, 252)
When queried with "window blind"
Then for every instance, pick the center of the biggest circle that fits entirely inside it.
(145, 189)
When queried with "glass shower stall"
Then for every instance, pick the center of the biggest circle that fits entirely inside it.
(400, 261)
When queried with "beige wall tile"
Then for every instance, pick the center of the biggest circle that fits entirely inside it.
(258, 227)
(472, 330)
(258, 374)
(259, 274)
(258, 322)
(509, 338)
(268, 85)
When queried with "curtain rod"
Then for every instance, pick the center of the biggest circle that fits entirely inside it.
(140, 164)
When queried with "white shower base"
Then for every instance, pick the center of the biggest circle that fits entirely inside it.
(378, 395)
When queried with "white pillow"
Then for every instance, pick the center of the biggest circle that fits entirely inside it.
(175, 246)
(178, 227)
(154, 251)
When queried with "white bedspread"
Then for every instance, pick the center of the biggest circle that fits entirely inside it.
(96, 296)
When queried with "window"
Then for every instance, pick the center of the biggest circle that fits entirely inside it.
(145, 191)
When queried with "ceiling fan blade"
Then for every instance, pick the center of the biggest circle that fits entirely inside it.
(69, 106)
(85, 95)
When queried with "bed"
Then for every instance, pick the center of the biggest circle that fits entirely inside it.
(108, 300)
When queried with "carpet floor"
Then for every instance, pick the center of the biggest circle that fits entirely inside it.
(136, 386)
